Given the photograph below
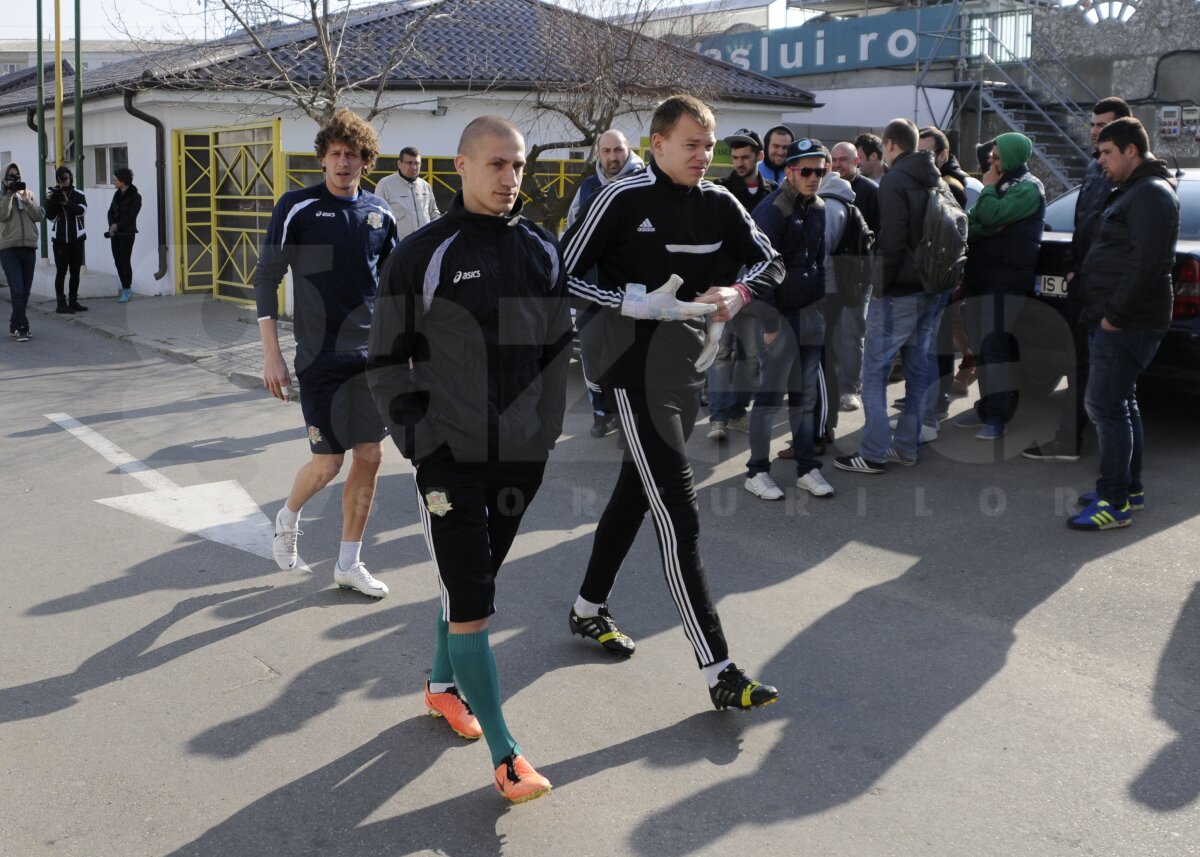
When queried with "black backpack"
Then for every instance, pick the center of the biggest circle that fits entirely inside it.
(941, 254)
(853, 259)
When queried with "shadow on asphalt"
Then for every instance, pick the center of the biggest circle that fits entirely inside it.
(861, 685)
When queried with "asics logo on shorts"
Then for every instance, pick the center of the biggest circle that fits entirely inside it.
(467, 275)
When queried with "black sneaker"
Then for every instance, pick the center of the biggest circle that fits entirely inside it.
(1053, 451)
(76, 306)
(63, 309)
(857, 464)
(23, 335)
(735, 689)
(603, 425)
(603, 630)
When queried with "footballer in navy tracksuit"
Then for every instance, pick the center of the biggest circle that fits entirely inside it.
(667, 221)
(334, 237)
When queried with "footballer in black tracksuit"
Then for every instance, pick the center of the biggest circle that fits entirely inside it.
(468, 366)
(643, 230)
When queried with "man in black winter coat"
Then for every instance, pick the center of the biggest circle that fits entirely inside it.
(1093, 194)
(1127, 300)
(900, 319)
(65, 209)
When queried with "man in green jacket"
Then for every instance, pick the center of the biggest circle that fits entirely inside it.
(1005, 236)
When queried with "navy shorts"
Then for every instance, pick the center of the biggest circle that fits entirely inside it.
(338, 409)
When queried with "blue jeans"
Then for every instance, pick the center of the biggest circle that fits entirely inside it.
(1117, 359)
(791, 364)
(851, 334)
(18, 264)
(903, 325)
(933, 395)
(733, 377)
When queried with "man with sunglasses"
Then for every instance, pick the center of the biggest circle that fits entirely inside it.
(793, 217)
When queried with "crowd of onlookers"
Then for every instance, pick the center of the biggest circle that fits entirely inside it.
(855, 313)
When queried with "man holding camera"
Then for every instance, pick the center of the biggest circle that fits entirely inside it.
(19, 216)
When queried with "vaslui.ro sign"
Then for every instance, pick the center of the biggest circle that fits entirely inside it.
(877, 41)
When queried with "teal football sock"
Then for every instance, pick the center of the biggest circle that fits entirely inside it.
(475, 674)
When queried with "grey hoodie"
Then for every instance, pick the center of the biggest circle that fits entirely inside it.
(592, 184)
(836, 192)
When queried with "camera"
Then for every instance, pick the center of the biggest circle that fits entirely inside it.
(18, 185)
(108, 235)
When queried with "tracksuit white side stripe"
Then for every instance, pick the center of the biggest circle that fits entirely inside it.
(595, 212)
(822, 405)
(591, 292)
(426, 527)
(551, 252)
(763, 242)
(296, 209)
(433, 271)
(669, 543)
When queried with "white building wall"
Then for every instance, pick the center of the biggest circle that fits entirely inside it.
(107, 123)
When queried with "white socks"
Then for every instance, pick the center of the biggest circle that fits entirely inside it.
(713, 670)
(440, 686)
(287, 519)
(586, 609)
(348, 554)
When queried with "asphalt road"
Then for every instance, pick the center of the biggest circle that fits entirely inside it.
(959, 673)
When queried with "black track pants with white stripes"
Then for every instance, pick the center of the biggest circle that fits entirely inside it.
(656, 476)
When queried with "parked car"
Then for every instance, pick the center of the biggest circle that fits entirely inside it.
(1045, 336)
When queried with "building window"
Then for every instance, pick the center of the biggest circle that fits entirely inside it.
(107, 160)
(9, 67)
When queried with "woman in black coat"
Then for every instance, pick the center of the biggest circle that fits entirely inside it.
(122, 227)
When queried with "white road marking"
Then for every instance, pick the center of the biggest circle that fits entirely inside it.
(220, 511)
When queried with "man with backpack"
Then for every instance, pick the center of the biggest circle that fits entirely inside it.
(1006, 225)
(914, 269)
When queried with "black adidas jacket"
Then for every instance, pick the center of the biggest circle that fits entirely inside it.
(471, 338)
(642, 230)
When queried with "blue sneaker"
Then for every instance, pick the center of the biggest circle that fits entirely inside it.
(968, 419)
(1101, 515)
(1137, 500)
(991, 431)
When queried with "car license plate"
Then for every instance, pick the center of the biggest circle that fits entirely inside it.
(1053, 286)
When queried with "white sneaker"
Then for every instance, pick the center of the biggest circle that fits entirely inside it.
(284, 546)
(357, 577)
(741, 424)
(814, 483)
(928, 433)
(763, 486)
(716, 430)
(851, 402)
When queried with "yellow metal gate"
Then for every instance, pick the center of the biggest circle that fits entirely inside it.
(228, 180)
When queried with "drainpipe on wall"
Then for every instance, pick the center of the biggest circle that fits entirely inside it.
(31, 119)
(160, 174)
